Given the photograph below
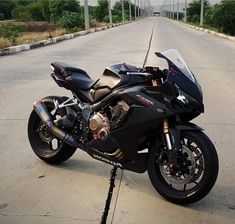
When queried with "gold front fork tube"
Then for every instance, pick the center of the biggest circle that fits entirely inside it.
(166, 133)
(154, 82)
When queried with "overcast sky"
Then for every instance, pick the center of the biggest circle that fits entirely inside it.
(157, 3)
(160, 2)
(154, 3)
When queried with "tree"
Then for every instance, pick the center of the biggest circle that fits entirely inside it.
(21, 12)
(222, 16)
(32, 11)
(58, 7)
(66, 13)
(101, 10)
(117, 8)
(5, 8)
(45, 9)
(194, 9)
(92, 12)
(35, 9)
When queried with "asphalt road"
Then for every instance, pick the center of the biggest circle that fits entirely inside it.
(75, 192)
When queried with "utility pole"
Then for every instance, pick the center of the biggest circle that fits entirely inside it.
(163, 8)
(148, 9)
(185, 10)
(143, 12)
(123, 15)
(167, 8)
(177, 10)
(202, 12)
(138, 9)
(170, 9)
(86, 13)
(173, 8)
(135, 9)
(129, 10)
(110, 13)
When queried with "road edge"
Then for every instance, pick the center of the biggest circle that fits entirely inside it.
(225, 36)
(42, 43)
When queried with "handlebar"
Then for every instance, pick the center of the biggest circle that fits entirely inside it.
(158, 75)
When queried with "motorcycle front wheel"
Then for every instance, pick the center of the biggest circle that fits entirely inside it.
(197, 174)
(46, 146)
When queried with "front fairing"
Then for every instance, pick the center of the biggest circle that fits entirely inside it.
(180, 76)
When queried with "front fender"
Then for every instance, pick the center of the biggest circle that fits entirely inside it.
(175, 133)
(188, 126)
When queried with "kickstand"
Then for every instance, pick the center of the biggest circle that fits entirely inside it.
(110, 194)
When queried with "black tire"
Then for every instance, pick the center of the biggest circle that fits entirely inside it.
(42, 148)
(207, 178)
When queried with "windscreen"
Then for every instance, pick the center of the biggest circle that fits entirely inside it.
(174, 57)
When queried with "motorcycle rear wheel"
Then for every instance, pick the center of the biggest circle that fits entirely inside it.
(202, 159)
(46, 146)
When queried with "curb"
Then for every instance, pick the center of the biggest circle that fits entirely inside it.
(26, 47)
(225, 36)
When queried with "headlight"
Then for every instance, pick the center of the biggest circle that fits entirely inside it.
(185, 98)
(52, 68)
(182, 97)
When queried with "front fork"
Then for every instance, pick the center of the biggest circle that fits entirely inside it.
(166, 134)
(172, 139)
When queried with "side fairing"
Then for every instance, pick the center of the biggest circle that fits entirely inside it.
(145, 114)
(109, 79)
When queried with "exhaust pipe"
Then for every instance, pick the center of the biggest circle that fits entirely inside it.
(46, 118)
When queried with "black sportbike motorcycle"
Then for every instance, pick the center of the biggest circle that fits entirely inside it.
(132, 118)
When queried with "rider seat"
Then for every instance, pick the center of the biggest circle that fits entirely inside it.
(75, 76)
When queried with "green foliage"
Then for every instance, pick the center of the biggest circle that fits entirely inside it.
(35, 9)
(193, 11)
(195, 19)
(21, 12)
(116, 18)
(181, 15)
(101, 10)
(11, 31)
(24, 2)
(106, 19)
(117, 9)
(58, 7)
(45, 9)
(220, 16)
(66, 13)
(6, 7)
(92, 12)
(2, 17)
(32, 11)
(70, 20)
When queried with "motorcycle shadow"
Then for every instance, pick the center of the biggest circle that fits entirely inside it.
(219, 202)
(133, 181)
(90, 167)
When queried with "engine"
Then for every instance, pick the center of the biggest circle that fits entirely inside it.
(99, 126)
(119, 112)
(100, 123)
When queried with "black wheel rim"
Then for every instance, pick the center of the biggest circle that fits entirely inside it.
(191, 149)
(45, 144)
